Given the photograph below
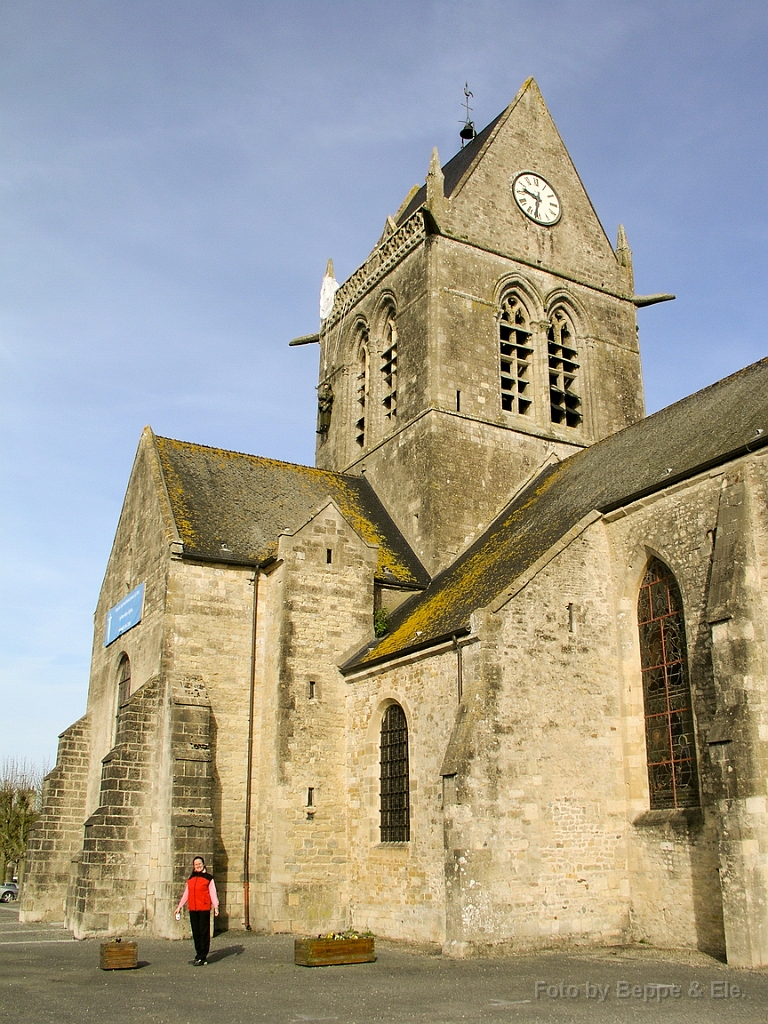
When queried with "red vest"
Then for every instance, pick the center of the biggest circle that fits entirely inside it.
(199, 893)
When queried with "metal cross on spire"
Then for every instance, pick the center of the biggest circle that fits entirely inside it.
(467, 132)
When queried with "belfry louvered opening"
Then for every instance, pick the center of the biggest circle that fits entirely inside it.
(362, 389)
(395, 803)
(669, 733)
(564, 400)
(516, 352)
(389, 371)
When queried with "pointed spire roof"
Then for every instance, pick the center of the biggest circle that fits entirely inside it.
(479, 178)
(454, 170)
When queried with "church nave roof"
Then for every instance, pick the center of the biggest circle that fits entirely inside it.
(233, 507)
(711, 427)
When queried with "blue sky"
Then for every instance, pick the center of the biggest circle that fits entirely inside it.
(175, 174)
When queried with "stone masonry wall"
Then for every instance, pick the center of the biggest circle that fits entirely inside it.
(738, 738)
(193, 746)
(312, 609)
(110, 892)
(673, 857)
(484, 211)
(403, 292)
(535, 815)
(207, 658)
(445, 478)
(398, 889)
(140, 554)
(468, 285)
(453, 456)
(58, 833)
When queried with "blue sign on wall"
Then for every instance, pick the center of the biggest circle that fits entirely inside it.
(125, 615)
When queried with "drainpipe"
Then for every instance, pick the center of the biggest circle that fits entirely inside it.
(249, 763)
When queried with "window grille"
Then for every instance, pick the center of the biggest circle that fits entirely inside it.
(124, 681)
(395, 805)
(669, 736)
(389, 371)
(516, 352)
(564, 401)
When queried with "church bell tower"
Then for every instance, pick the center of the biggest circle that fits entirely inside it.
(491, 328)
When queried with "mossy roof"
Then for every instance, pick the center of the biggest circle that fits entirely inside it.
(706, 429)
(245, 502)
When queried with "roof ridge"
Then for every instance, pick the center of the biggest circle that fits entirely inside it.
(710, 387)
(457, 169)
(484, 139)
(606, 475)
(259, 458)
(673, 405)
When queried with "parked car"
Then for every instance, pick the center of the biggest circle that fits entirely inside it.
(8, 892)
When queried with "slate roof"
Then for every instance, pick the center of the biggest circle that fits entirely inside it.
(244, 501)
(454, 170)
(706, 429)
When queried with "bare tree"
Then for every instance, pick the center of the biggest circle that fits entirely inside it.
(20, 791)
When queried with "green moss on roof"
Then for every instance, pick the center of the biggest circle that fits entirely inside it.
(706, 429)
(245, 502)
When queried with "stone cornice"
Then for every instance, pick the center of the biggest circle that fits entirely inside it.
(383, 258)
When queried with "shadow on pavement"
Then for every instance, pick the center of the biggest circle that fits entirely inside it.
(220, 954)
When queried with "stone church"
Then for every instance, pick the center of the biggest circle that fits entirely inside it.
(494, 673)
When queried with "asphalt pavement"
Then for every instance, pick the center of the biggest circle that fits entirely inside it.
(46, 977)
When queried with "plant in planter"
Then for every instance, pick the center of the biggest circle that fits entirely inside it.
(347, 947)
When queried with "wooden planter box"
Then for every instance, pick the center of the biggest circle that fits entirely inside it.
(118, 955)
(326, 952)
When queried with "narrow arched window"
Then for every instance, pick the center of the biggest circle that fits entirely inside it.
(564, 400)
(515, 352)
(669, 736)
(123, 681)
(362, 392)
(395, 805)
(389, 370)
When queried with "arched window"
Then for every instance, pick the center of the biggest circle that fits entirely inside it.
(564, 401)
(515, 354)
(395, 805)
(669, 738)
(123, 681)
(362, 389)
(389, 369)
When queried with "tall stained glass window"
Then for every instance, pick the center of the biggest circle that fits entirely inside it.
(395, 809)
(669, 735)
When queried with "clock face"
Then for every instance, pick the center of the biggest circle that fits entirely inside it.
(536, 198)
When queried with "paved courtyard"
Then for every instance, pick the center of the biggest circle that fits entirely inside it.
(48, 978)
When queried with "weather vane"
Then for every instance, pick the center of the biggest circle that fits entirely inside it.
(467, 132)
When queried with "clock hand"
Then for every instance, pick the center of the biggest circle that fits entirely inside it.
(536, 196)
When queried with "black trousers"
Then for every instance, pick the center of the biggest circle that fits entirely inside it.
(200, 922)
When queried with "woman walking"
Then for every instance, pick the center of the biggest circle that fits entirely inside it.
(200, 895)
